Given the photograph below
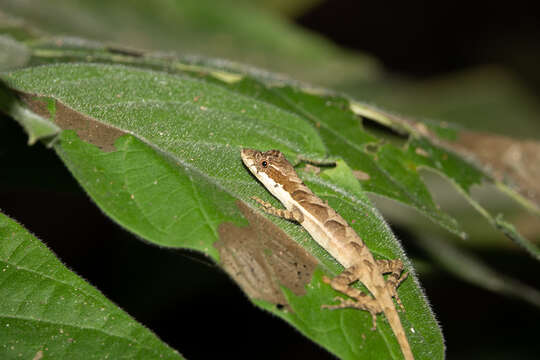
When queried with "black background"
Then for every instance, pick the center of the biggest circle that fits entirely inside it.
(431, 38)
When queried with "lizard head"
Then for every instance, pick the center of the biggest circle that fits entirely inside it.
(272, 163)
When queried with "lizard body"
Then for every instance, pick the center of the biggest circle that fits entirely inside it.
(333, 233)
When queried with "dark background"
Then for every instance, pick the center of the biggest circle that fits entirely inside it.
(431, 38)
(203, 314)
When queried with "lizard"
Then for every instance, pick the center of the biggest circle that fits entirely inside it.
(334, 234)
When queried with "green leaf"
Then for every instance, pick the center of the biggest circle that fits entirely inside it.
(430, 149)
(48, 311)
(159, 153)
(510, 231)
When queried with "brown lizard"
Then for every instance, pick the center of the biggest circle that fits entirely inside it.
(333, 233)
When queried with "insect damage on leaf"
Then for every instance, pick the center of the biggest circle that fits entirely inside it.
(87, 128)
(506, 158)
(261, 258)
(360, 175)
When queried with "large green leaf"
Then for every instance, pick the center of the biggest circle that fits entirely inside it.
(49, 312)
(159, 153)
(338, 126)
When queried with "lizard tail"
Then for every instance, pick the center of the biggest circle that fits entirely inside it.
(395, 323)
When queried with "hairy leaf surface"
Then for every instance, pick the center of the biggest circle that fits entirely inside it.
(47, 311)
(173, 175)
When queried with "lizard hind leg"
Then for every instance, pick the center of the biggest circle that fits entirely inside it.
(396, 277)
(360, 300)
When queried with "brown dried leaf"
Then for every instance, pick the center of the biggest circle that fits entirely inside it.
(262, 257)
(87, 128)
(507, 159)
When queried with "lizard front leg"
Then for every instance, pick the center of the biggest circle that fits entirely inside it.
(293, 215)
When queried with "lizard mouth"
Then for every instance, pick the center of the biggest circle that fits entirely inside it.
(248, 157)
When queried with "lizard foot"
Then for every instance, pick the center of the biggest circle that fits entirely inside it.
(343, 303)
(396, 277)
(358, 299)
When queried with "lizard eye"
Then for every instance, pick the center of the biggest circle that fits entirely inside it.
(264, 163)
